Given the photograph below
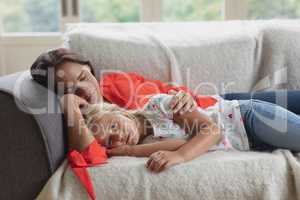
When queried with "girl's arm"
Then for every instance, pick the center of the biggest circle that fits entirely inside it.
(206, 134)
(145, 150)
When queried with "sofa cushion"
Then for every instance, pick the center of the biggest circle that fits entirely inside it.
(200, 55)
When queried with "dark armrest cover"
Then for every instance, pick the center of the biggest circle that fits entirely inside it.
(32, 143)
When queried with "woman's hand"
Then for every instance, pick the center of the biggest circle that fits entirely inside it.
(162, 160)
(123, 150)
(182, 102)
(72, 102)
(79, 137)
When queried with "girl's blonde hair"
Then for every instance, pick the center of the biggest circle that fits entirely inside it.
(100, 109)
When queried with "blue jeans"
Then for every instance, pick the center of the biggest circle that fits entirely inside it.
(261, 134)
(287, 98)
(270, 126)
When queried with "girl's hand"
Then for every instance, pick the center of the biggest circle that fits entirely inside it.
(182, 102)
(162, 160)
(123, 150)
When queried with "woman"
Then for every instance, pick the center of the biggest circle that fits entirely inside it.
(263, 124)
(72, 77)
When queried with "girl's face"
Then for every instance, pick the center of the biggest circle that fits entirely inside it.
(77, 79)
(112, 130)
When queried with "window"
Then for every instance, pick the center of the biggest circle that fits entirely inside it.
(109, 10)
(47, 15)
(30, 15)
(267, 9)
(191, 10)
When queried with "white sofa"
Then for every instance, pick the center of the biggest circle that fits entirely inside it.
(238, 56)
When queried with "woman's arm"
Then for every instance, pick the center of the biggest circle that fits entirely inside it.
(79, 137)
(145, 150)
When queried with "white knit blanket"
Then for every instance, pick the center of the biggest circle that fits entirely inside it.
(208, 57)
(215, 175)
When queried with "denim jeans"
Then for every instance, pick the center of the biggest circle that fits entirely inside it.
(270, 126)
(287, 98)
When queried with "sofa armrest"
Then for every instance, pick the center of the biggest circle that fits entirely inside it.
(32, 143)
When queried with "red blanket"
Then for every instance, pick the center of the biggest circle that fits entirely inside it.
(131, 91)
(92, 155)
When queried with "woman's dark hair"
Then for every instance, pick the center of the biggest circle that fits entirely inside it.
(50, 60)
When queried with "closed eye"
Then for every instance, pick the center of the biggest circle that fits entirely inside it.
(82, 76)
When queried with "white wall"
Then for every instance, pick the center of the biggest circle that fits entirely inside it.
(17, 52)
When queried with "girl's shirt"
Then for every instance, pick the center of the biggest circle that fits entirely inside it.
(226, 114)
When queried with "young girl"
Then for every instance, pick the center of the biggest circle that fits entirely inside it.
(180, 138)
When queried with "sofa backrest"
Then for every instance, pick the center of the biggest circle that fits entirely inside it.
(199, 55)
(208, 57)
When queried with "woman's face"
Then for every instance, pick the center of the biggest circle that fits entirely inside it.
(77, 79)
(112, 130)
